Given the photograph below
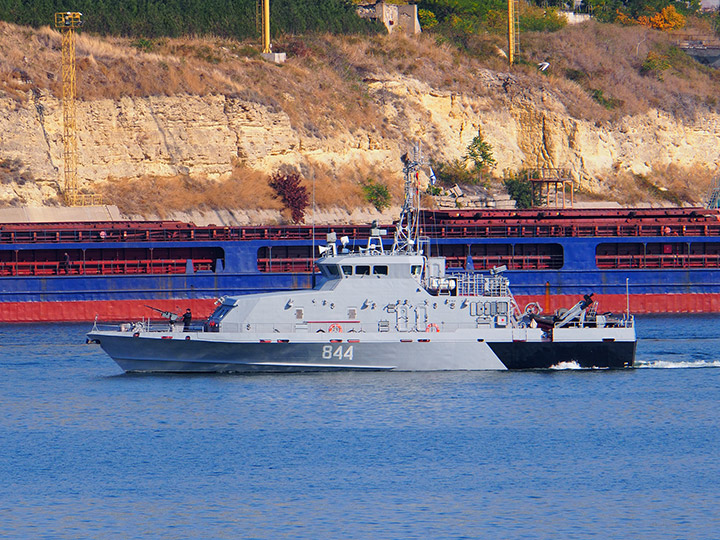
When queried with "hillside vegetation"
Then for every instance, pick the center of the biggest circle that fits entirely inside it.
(173, 18)
(600, 71)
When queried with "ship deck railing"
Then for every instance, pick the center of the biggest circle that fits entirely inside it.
(671, 226)
(90, 268)
(473, 284)
(421, 330)
(618, 321)
(680, 260)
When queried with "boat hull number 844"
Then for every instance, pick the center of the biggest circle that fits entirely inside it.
(339, 352)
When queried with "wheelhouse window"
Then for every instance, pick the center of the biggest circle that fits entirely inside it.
(332, 270)
(380, 270)
(415, 269)
(347, 270)
(362, 270)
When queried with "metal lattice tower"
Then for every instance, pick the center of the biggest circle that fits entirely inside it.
(713, 198)
(258, 16)
(66, 23)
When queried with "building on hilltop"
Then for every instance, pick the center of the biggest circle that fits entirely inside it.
(395, 17)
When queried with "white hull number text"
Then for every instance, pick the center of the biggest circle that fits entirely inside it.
(339, 352)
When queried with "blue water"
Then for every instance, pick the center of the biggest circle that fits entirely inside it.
(88, 452)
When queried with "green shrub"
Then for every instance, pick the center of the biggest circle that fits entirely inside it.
(434, 190)
(655, 64)
(143, 44)
(534, 19)
(14, 170)
(519, 188)
(427, 19)
(478, 154)
(607, 102)
(376, 194)
(455, 172)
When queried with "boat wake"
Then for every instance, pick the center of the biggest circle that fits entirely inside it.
(566, 365)
(667, 364)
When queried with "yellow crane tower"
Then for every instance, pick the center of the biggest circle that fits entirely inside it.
(513, 29)
(263, 14)
(67, 22)
(266, 26)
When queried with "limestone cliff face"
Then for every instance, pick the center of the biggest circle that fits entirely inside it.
(208, 135)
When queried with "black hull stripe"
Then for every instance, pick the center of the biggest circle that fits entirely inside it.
(529, 355)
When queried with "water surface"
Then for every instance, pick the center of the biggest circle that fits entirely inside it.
(89, 452)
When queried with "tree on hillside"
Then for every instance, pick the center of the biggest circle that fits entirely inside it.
(610, 10)
(460, 18)
(293, 195)
(667, 19)
(479, 153)
(172, 18)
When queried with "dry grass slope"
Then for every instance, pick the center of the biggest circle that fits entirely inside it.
(609, 58)
(244, 189)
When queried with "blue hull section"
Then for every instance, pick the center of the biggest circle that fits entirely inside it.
(237, 272)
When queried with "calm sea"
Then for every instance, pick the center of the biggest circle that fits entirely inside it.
(88, 452)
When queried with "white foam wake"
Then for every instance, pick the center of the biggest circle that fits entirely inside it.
(566, 365)
(667, 364)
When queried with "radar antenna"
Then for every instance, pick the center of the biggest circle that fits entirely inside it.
(408, 226)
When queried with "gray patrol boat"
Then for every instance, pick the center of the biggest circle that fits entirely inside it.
(379, 308)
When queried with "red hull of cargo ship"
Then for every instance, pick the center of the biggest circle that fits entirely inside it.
(135, 310)
(639, 303)
(104, 310)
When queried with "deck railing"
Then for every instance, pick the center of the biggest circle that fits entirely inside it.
(59, 268)
(608, 262)
(615, 227)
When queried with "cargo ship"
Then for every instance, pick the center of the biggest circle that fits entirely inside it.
(657, 260)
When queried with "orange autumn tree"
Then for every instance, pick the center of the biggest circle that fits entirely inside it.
(666, 19)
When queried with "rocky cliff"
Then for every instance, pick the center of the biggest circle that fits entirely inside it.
(208, 135)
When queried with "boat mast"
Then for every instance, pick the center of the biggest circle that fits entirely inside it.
(408, 226)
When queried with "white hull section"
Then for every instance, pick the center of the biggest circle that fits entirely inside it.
(208, 352)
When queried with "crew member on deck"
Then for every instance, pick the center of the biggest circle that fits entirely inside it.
(187, 319)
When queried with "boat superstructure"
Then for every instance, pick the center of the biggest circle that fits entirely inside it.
(379, 309)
